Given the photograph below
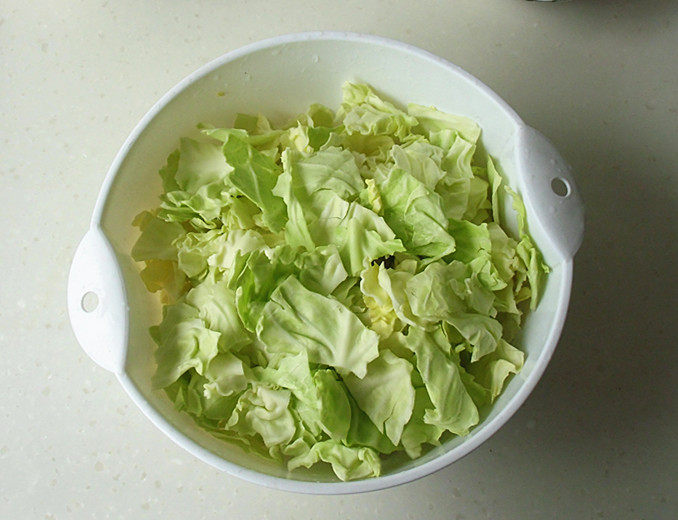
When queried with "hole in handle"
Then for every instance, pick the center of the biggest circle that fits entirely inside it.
(89, 302)
(560, 187)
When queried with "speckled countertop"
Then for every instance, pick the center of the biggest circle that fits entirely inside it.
(597, 438)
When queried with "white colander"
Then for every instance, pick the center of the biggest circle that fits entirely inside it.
(111, 311)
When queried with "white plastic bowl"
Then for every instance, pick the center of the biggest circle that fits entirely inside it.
(281, 77)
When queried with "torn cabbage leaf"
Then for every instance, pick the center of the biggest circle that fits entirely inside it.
(340, 287)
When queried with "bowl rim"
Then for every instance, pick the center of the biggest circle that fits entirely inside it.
(481, 433)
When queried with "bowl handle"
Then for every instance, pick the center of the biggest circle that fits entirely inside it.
(550, 191)
(97, 303)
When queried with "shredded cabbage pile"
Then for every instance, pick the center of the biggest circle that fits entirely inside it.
(340, 288)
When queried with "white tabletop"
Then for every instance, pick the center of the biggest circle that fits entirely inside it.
(597, 438)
